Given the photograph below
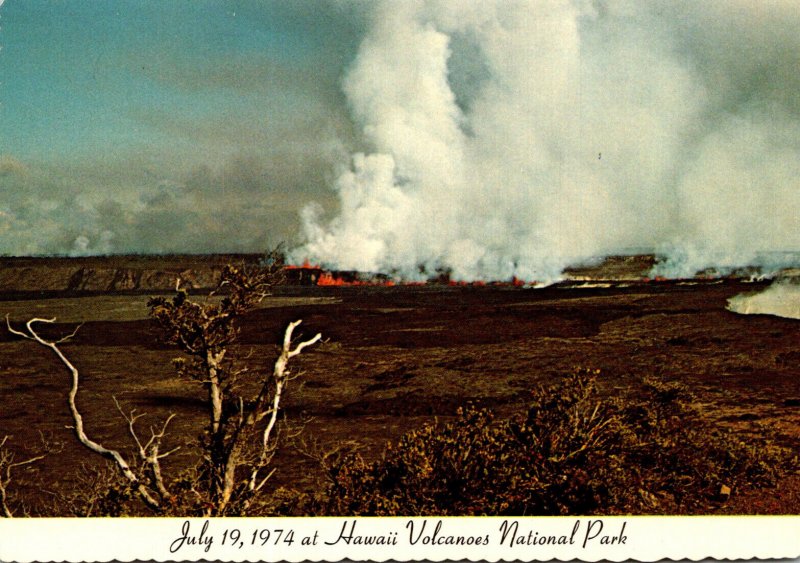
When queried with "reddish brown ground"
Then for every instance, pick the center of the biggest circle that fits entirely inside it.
(397, 357)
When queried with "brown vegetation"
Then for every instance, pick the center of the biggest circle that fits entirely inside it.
(404, 360)
(233, 465)
(572, 453)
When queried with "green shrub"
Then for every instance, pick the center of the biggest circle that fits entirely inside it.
(573, 452)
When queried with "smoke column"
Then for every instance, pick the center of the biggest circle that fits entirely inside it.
(780, 299)
(515, 138)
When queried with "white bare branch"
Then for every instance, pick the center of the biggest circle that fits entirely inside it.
(264, 480)
(149, 452)
(287, 340)
(279, 375)
(131, 420)
(70, 335)
(7, 464)
(77, 418)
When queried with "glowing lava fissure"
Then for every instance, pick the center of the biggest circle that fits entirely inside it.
(613, 270)
(312, 274)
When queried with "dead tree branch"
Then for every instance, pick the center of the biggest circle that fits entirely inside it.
(77, 418)
(149, 452)
(7, 465)
(280, 377)
(267, 403)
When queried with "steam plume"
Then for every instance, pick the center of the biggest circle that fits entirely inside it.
(780, 299)
(515, 138)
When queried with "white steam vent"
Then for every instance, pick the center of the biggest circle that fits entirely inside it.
(515, 138)
(781, 299)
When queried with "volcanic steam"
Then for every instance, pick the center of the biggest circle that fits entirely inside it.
(511, 139)
(781, 299)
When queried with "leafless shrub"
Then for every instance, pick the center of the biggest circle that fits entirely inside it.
(8, 464)
(240, 439)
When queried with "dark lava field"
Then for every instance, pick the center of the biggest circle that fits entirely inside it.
(396, 357)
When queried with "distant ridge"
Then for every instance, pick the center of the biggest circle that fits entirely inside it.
(119, 273)
(32, 276)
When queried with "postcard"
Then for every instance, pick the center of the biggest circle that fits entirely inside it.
(399, 280)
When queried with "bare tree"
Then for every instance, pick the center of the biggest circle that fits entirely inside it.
(8, 464)
(235, 465)
(240, 439)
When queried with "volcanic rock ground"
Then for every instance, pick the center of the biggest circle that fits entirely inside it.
(397, 357)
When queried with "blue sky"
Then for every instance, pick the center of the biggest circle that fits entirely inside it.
(84, 76)
(124, 101)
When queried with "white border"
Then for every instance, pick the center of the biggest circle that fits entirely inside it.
(616, 538)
